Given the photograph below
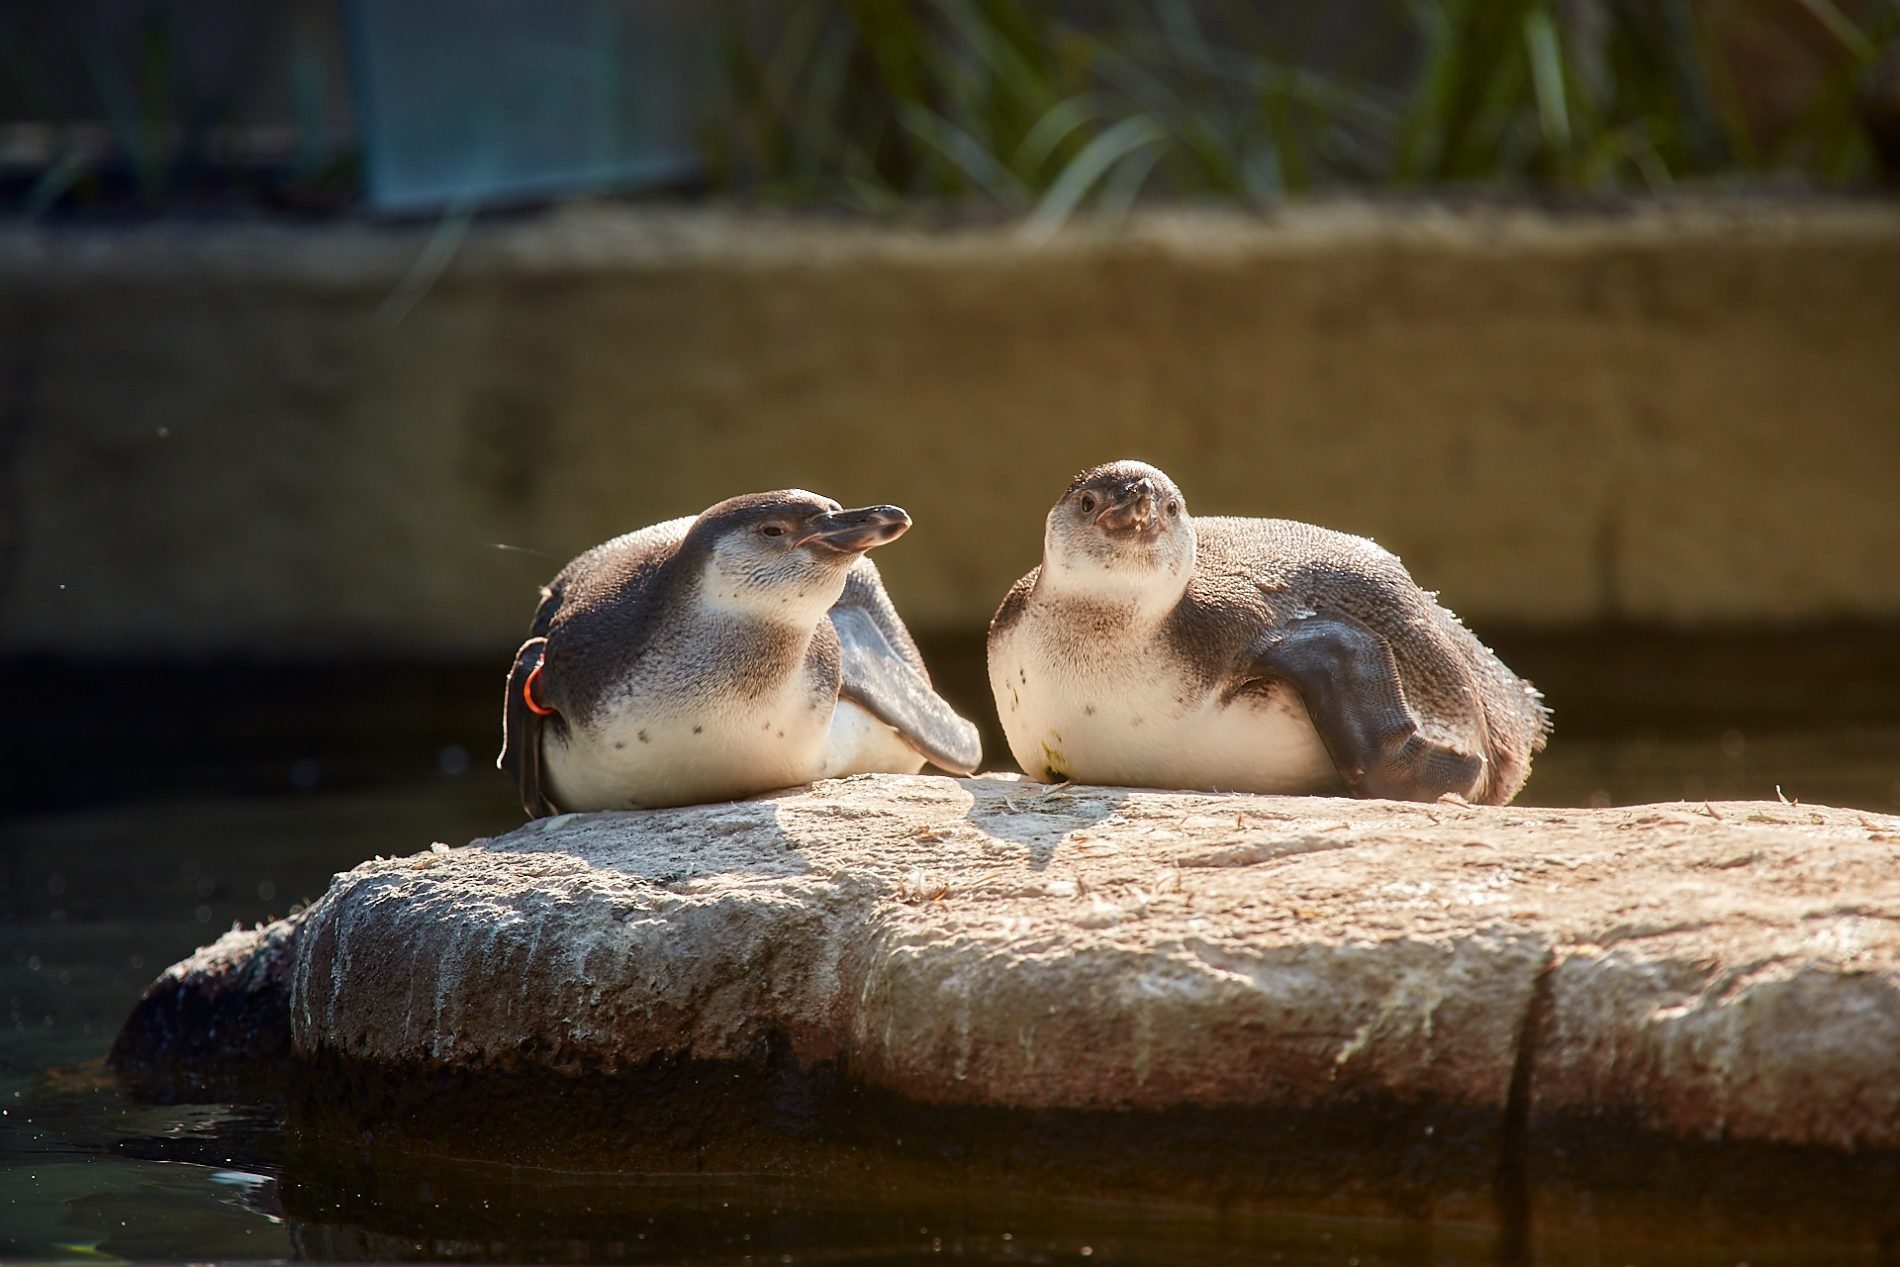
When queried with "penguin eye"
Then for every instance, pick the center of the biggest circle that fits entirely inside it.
(773, 530)
(1088, 503)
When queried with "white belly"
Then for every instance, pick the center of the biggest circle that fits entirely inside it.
(637, 759)
(1125, 715)
(642, 757)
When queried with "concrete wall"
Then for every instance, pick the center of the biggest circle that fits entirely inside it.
(261, 439)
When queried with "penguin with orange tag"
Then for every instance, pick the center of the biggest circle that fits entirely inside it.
(747, 648)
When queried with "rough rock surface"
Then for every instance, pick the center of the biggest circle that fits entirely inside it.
(216, 1023)
(1722, 972)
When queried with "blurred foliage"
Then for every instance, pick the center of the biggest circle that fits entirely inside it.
(165, 128)
(1041, 108)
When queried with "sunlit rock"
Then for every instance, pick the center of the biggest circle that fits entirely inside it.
(1719, 972)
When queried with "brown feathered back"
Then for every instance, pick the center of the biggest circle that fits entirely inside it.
(1281, 568)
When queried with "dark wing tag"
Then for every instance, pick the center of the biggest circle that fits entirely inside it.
(876, 676)
(521, 722)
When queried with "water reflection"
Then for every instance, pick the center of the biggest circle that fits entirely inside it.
(105, 1178)
(733, 1219)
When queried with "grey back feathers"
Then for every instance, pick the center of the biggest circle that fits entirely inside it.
(609, 605)
(1457, 686)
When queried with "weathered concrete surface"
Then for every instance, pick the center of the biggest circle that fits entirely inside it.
(1723, 972)
(1666, 413)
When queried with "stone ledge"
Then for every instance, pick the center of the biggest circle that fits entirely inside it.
(584, 238)
(1606, 395)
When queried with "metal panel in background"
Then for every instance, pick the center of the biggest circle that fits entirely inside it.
(465, 103)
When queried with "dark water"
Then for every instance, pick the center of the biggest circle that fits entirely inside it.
(227, 795)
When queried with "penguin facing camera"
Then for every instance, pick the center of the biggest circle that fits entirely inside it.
(712, 657)
(1155, 649)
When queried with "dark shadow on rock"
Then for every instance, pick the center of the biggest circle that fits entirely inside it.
(1037, 816)
(215, 1026)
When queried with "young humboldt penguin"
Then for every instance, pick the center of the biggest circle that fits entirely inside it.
(708, 658)
(1157, 650)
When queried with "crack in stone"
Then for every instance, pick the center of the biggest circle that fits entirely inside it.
(1512, 1187)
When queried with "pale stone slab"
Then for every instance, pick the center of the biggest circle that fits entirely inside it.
(1723, 972)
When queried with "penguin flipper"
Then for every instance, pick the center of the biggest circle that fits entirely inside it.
(521, 732)
(1349, 680)
(878, 677)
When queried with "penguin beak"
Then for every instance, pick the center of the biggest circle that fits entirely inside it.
(1133, 511)
(854, 531)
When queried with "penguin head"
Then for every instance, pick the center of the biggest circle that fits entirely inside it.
(784, 555)
(1120, 533)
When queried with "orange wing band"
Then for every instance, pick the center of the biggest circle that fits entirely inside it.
(535, 706)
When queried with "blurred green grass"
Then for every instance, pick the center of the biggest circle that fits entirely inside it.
(1041, 109)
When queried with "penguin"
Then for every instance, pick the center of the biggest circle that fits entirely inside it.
(1154, 649)
(712, 657)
